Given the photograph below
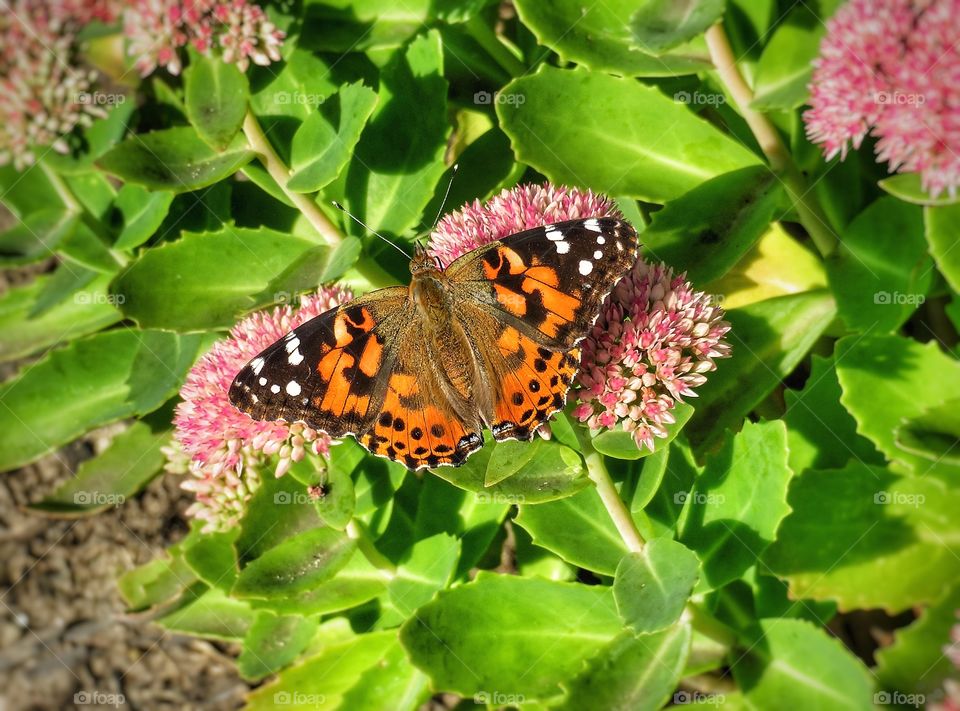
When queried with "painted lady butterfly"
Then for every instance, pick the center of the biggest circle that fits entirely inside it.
(415, 373)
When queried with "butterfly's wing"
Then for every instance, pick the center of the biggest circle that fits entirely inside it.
(529, 299)
(360, 369)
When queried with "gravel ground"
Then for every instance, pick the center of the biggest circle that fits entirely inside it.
(65, 639)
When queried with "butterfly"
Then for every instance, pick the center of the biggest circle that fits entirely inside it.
(416, 373)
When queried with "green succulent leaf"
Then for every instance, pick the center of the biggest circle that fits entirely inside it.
(652, 587)
(660, 25)
(273, 642)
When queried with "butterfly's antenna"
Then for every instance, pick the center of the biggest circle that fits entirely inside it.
(443, 203)
(367, 228)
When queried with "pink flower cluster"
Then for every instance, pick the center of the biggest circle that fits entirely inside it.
(225, 450)
(653, 343)
(157, 29)
(655, 338)
(891, 68)
(44, 91)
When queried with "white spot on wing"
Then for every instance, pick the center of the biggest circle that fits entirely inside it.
(256, 364)
(600, 239)
(292, 344)
(597, 254)
(295, 358)
(585, 266)
(263, 381)
(553, 234)
(563, 247)
(274, 388)
(592, 224)
(293, 388)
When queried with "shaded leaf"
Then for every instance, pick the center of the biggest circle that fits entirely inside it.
(273, 642)
(652, 587)
(142, 212)
(215, 94)
(659, 25)
(943, 232)
(212, 615)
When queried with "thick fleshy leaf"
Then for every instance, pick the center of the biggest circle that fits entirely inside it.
(91, 382)
(279, 509)
(664, 150)
(526, 647)
(821, 434)
(140, 214)
(660, 25)
(398, 161)
(156, 582)
(598, 36)
(769, 338)
(212, 556)
(296, 565)
(795, 664)
(272, 642)
(737, 503)
(88, 248)
(338, 499)
(652, 587)
(96, 139)
(204, 281)
(36, 236)
(320, 682)
(637, 672)
(110, 478)
(392, 683)
(915, 662)
(175, 159)
(24, 331)
(426, 570)
(324, 144)
(709, 229)
(212, 615)
(550, 471)
(909, 188)
(933, 435)
(850, 527)
(943, 232)
(578, 529)
(215, 95)
(889, 379)
(881, 271)
(784, 69)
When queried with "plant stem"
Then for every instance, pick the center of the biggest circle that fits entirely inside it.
(356, 531)
(492, 45)
(808, 208)
(597, 471)
(281, 173)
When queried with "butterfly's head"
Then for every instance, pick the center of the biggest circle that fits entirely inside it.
(423, 262)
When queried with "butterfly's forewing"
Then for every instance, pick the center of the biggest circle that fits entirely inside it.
(529, 298)
(360, 369)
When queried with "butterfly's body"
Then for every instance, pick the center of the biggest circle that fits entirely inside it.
(416, 372)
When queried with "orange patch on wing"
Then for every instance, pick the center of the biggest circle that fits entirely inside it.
(545, 275)
(510, 300)
(338, 387)
(509, 341)
(563, 305)
(371, 356)
(504, 254)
